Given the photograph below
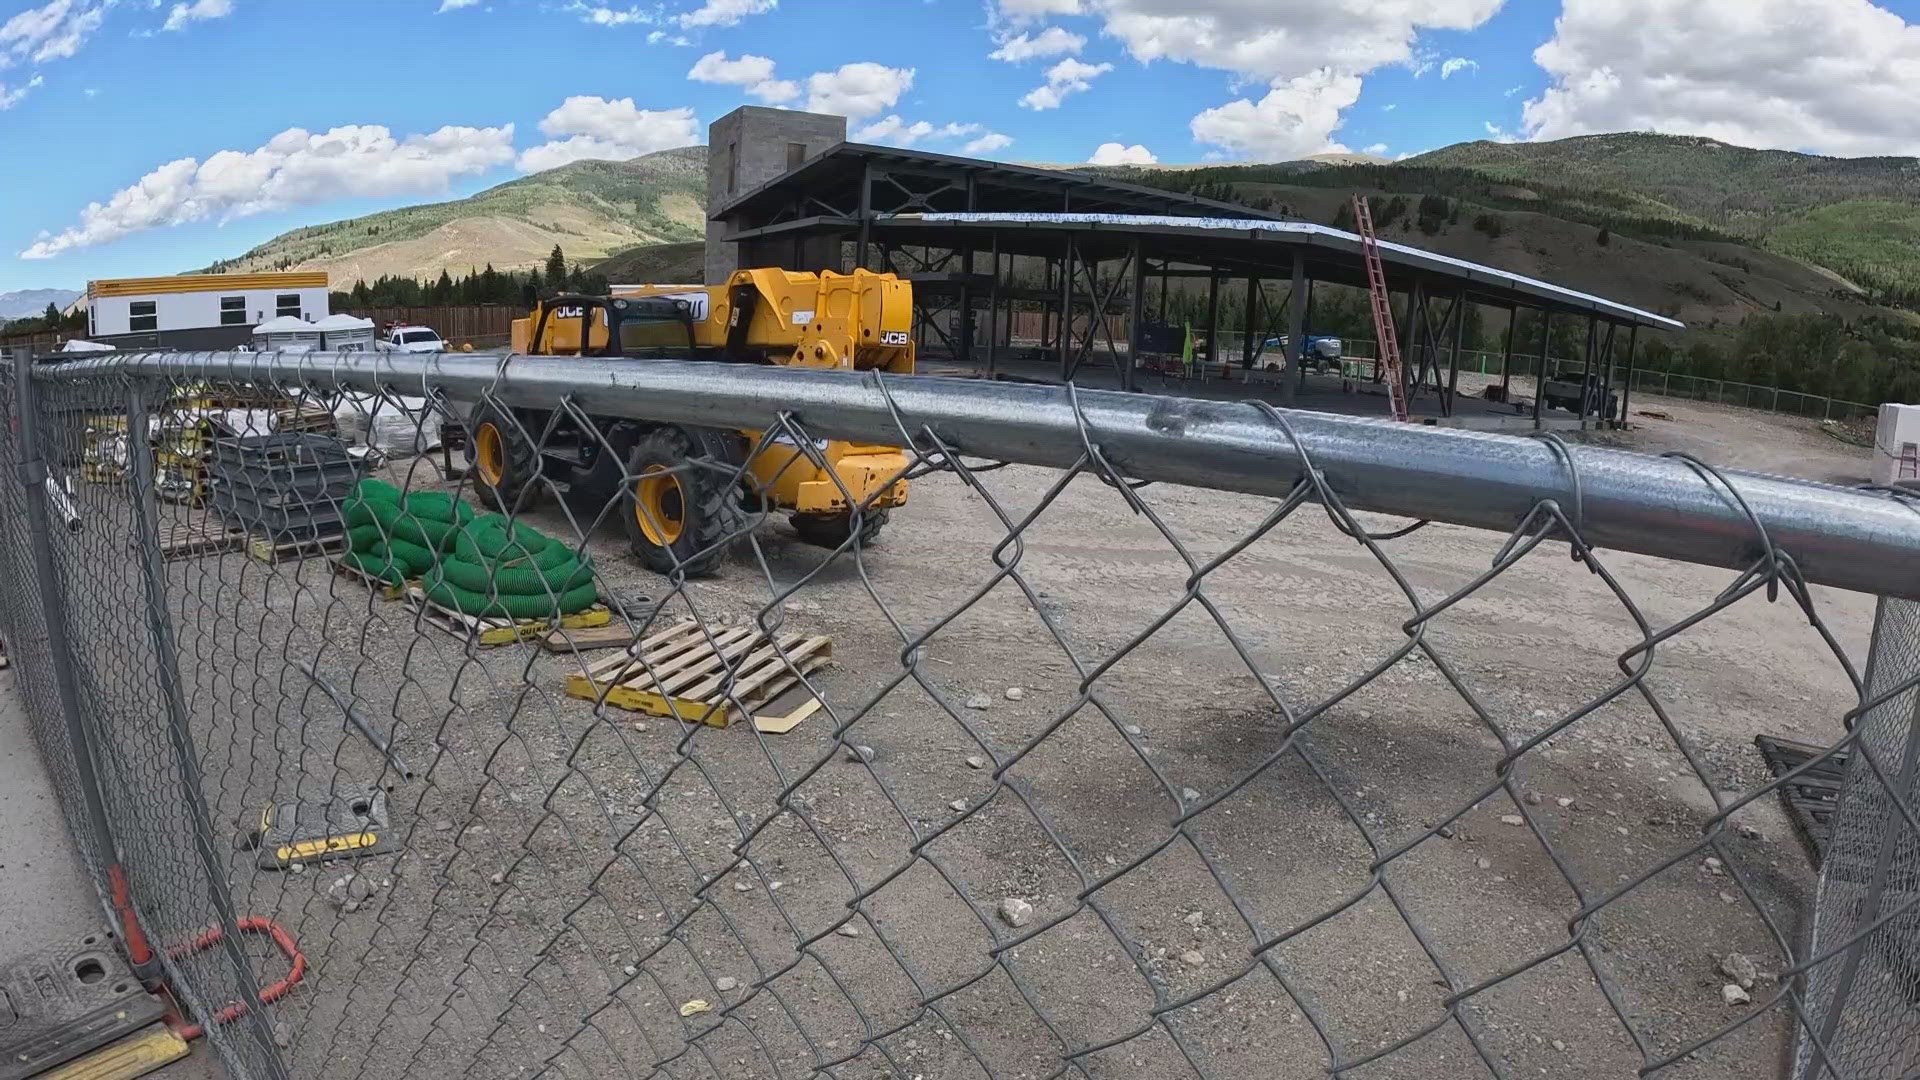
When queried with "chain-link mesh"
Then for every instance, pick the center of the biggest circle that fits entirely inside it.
(1105, 779)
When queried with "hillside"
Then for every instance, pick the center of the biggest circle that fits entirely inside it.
(592, 209)
(655, 264)
(1858, 216)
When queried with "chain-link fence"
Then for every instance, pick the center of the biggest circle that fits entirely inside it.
(1135, 741)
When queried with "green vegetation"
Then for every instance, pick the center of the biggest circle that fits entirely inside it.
(609, 204)
(49, 321)
(488, 286)
(1857, 216)
(655, 264)
(1874, 359)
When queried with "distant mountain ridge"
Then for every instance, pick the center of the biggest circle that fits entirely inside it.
(592, 209)
(22, 303)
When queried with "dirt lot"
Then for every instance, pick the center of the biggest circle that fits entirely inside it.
(568, 883)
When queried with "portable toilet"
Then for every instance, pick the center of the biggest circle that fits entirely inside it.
(287, 333)
(345, 333)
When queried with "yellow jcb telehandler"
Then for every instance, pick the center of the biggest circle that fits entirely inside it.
(678, 506)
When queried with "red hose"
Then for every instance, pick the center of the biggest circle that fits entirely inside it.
(252, 924)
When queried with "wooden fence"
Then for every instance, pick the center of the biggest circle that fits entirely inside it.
(481, 324)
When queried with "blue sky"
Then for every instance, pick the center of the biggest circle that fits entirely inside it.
(203, 127)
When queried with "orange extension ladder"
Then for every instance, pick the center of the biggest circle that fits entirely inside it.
(1382, 308)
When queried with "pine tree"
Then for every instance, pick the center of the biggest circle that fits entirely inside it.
(557, 267)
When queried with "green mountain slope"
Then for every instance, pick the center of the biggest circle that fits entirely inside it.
(592, 209)
(1853, 215)
(655, 264)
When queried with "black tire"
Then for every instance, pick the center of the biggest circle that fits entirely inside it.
(833, 530)
(694, 507)
(509, 477)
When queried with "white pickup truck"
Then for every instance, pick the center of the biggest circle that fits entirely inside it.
(412, 339)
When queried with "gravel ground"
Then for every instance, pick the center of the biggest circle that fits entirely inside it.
(561, 866)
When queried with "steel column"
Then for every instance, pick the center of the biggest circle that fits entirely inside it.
(1506, 357)
(993, 309)
(1213, 318)
(1453, 373)
(1626, 389)
(1246, 342)
(1540, 375)
(1586, 369)
(1296, 328)
(1137, 270)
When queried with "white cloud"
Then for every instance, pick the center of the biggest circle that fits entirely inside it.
(1512, 90)
(1053, 41)
(602, 15)
(753, 73)
(52, 31)
(857, 90)
(11, 97)
(1021, 11)
(725, 12)
(1456, 64)
(1069, 76)
(1268, 39)
(294, 168)
(1297, 117)
(1830, 76)
(1284, 44)
(987, 144)
(594, 128)
(894, 131)
(1112, 153)
(198, 11)
(454, 5)
(1378, 149)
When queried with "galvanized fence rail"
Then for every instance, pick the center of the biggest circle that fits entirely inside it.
(1149, 748)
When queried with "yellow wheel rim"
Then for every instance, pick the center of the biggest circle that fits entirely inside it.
(660, 506)
(490, 455)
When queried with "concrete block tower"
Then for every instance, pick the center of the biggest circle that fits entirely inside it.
(748, 147)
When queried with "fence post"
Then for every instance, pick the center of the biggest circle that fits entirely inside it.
(179, 732)
(34, 478)
(1858, 1000)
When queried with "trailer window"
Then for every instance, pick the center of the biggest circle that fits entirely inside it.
(142, 315)
(233, 311)
(287, 304)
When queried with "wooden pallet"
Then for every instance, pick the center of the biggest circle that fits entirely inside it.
(493, 630)
(197, 533)
(386, 590)
(688, 676)
(269, 550)
(566, 639)
(1811, 797)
